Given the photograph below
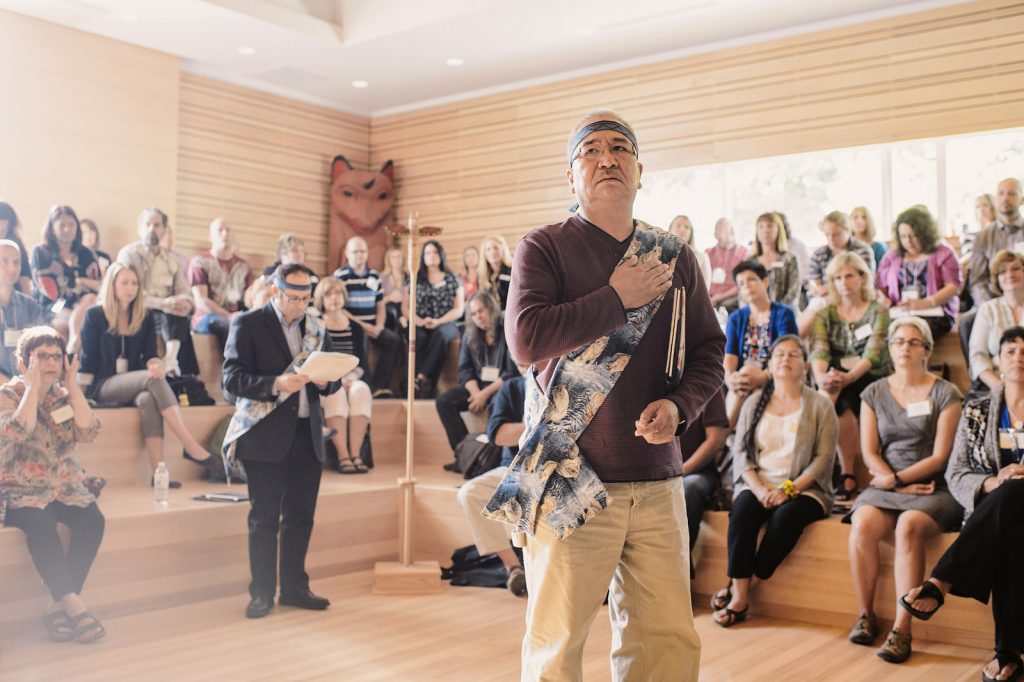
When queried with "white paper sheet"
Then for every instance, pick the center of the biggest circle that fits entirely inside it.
(322, 366)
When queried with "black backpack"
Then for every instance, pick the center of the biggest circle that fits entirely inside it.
(476, 457)
(469, 568)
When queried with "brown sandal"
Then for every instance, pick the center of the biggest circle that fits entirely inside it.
(90, 631)
(351, 465)
(58, 626)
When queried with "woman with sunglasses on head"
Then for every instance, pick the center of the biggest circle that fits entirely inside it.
(782, 465)
(120, 366)
(907, 424)
(986, 476)
(43, 414)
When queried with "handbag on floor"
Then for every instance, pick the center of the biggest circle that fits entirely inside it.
(470, 569)
(477, 455)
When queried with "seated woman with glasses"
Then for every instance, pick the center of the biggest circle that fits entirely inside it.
(907, 424)
(347, 411)
(120, 366)
(986, 476)
(782, 465)
(439, 306)
(921, 276)
(993, 318)
(848, 352)
(749, 335)
(43, 414)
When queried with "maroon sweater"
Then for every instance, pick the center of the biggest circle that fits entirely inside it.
(560, 300)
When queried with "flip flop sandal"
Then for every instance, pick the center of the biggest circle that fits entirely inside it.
(732, 617)
(90, 631)
(58, 626)
(1006, 658)
(927, 591)
(720, 601)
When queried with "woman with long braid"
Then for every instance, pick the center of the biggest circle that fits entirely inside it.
(782, 464)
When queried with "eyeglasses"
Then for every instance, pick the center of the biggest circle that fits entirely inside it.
(42, 357)
(297, 299)
(593, 151)
(913, 343)
(792, 355)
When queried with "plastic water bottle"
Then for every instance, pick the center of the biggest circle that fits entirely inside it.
(161, 483)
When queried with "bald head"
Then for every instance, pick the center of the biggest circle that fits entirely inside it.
(356, 253)
(1008, 200)
(220, 235)
(724, 232)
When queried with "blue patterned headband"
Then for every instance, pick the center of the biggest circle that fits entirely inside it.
(595, 126)
(282, 284)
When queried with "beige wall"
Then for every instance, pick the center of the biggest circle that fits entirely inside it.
(85, 121)
(262, 161)
(496, 164)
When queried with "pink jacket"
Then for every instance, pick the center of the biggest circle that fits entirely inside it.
(943, 269)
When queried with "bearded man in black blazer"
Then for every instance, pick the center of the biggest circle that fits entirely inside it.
(277, 432)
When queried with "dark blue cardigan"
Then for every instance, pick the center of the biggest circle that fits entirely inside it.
(781, 321)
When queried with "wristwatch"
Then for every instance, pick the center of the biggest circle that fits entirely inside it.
(896, 482)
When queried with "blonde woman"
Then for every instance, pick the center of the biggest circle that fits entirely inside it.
(120, 365)
(683, 228)
(771, 249)
(347, 411)
(848, 351)
(984, 210)
(863, 227)
(993, 318)
(907, 422)
(394, 285)
(495, 270)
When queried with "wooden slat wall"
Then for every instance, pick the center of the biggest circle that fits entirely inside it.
(496, 164)
(263, 162)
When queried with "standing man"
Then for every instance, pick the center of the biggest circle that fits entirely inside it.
(277, 431)
(724, 256)
(364, 304)
(219, 278)
(1004, 233)
(164, 284)
(596, 490)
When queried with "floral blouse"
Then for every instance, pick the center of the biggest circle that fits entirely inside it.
(435, 300)
(41, 467)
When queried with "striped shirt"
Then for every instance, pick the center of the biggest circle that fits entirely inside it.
(363, 292)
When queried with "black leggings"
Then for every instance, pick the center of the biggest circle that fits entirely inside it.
(785, 525)
(63, 572)
(987, 558)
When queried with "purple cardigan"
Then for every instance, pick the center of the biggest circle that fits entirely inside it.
(943, 269)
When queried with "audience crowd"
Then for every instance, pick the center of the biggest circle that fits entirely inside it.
(827, 367)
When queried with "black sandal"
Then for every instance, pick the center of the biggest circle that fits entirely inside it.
(926, 591)
(89, 632)
(1006, 658)
(351, 465)
(846, 495)
(58, 626)
(720, 601)
(731, 617)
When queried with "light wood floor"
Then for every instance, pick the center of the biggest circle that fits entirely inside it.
(469, 634)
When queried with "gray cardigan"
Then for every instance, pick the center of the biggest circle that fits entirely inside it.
(814, 451)
(975, 454)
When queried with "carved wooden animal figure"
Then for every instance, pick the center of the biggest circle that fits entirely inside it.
(361, 203)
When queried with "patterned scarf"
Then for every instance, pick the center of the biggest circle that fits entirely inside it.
(249, 412)
(549, 476)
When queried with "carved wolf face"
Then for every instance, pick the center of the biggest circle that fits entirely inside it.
(362, 199)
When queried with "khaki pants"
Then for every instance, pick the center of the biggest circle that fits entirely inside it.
(488, 536)
(639, 545)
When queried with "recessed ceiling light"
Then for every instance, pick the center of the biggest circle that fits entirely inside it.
(247, 51)
(130, 17)
(360, 84)
(454, 61)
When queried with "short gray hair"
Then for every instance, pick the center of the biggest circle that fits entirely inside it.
(917, 323)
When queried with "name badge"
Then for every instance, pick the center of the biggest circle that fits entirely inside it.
(1006, 441)
(910, 294)
(717, 276)
(849, 362)
(862, 332)
(62, 414)
(920, 408)
(489, 374)
(372, 284)
(11, 337)
(1019, 247)
(121, 365)
(778, 265)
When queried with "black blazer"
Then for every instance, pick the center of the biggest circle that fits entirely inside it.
(255, 355)
(101, 349)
